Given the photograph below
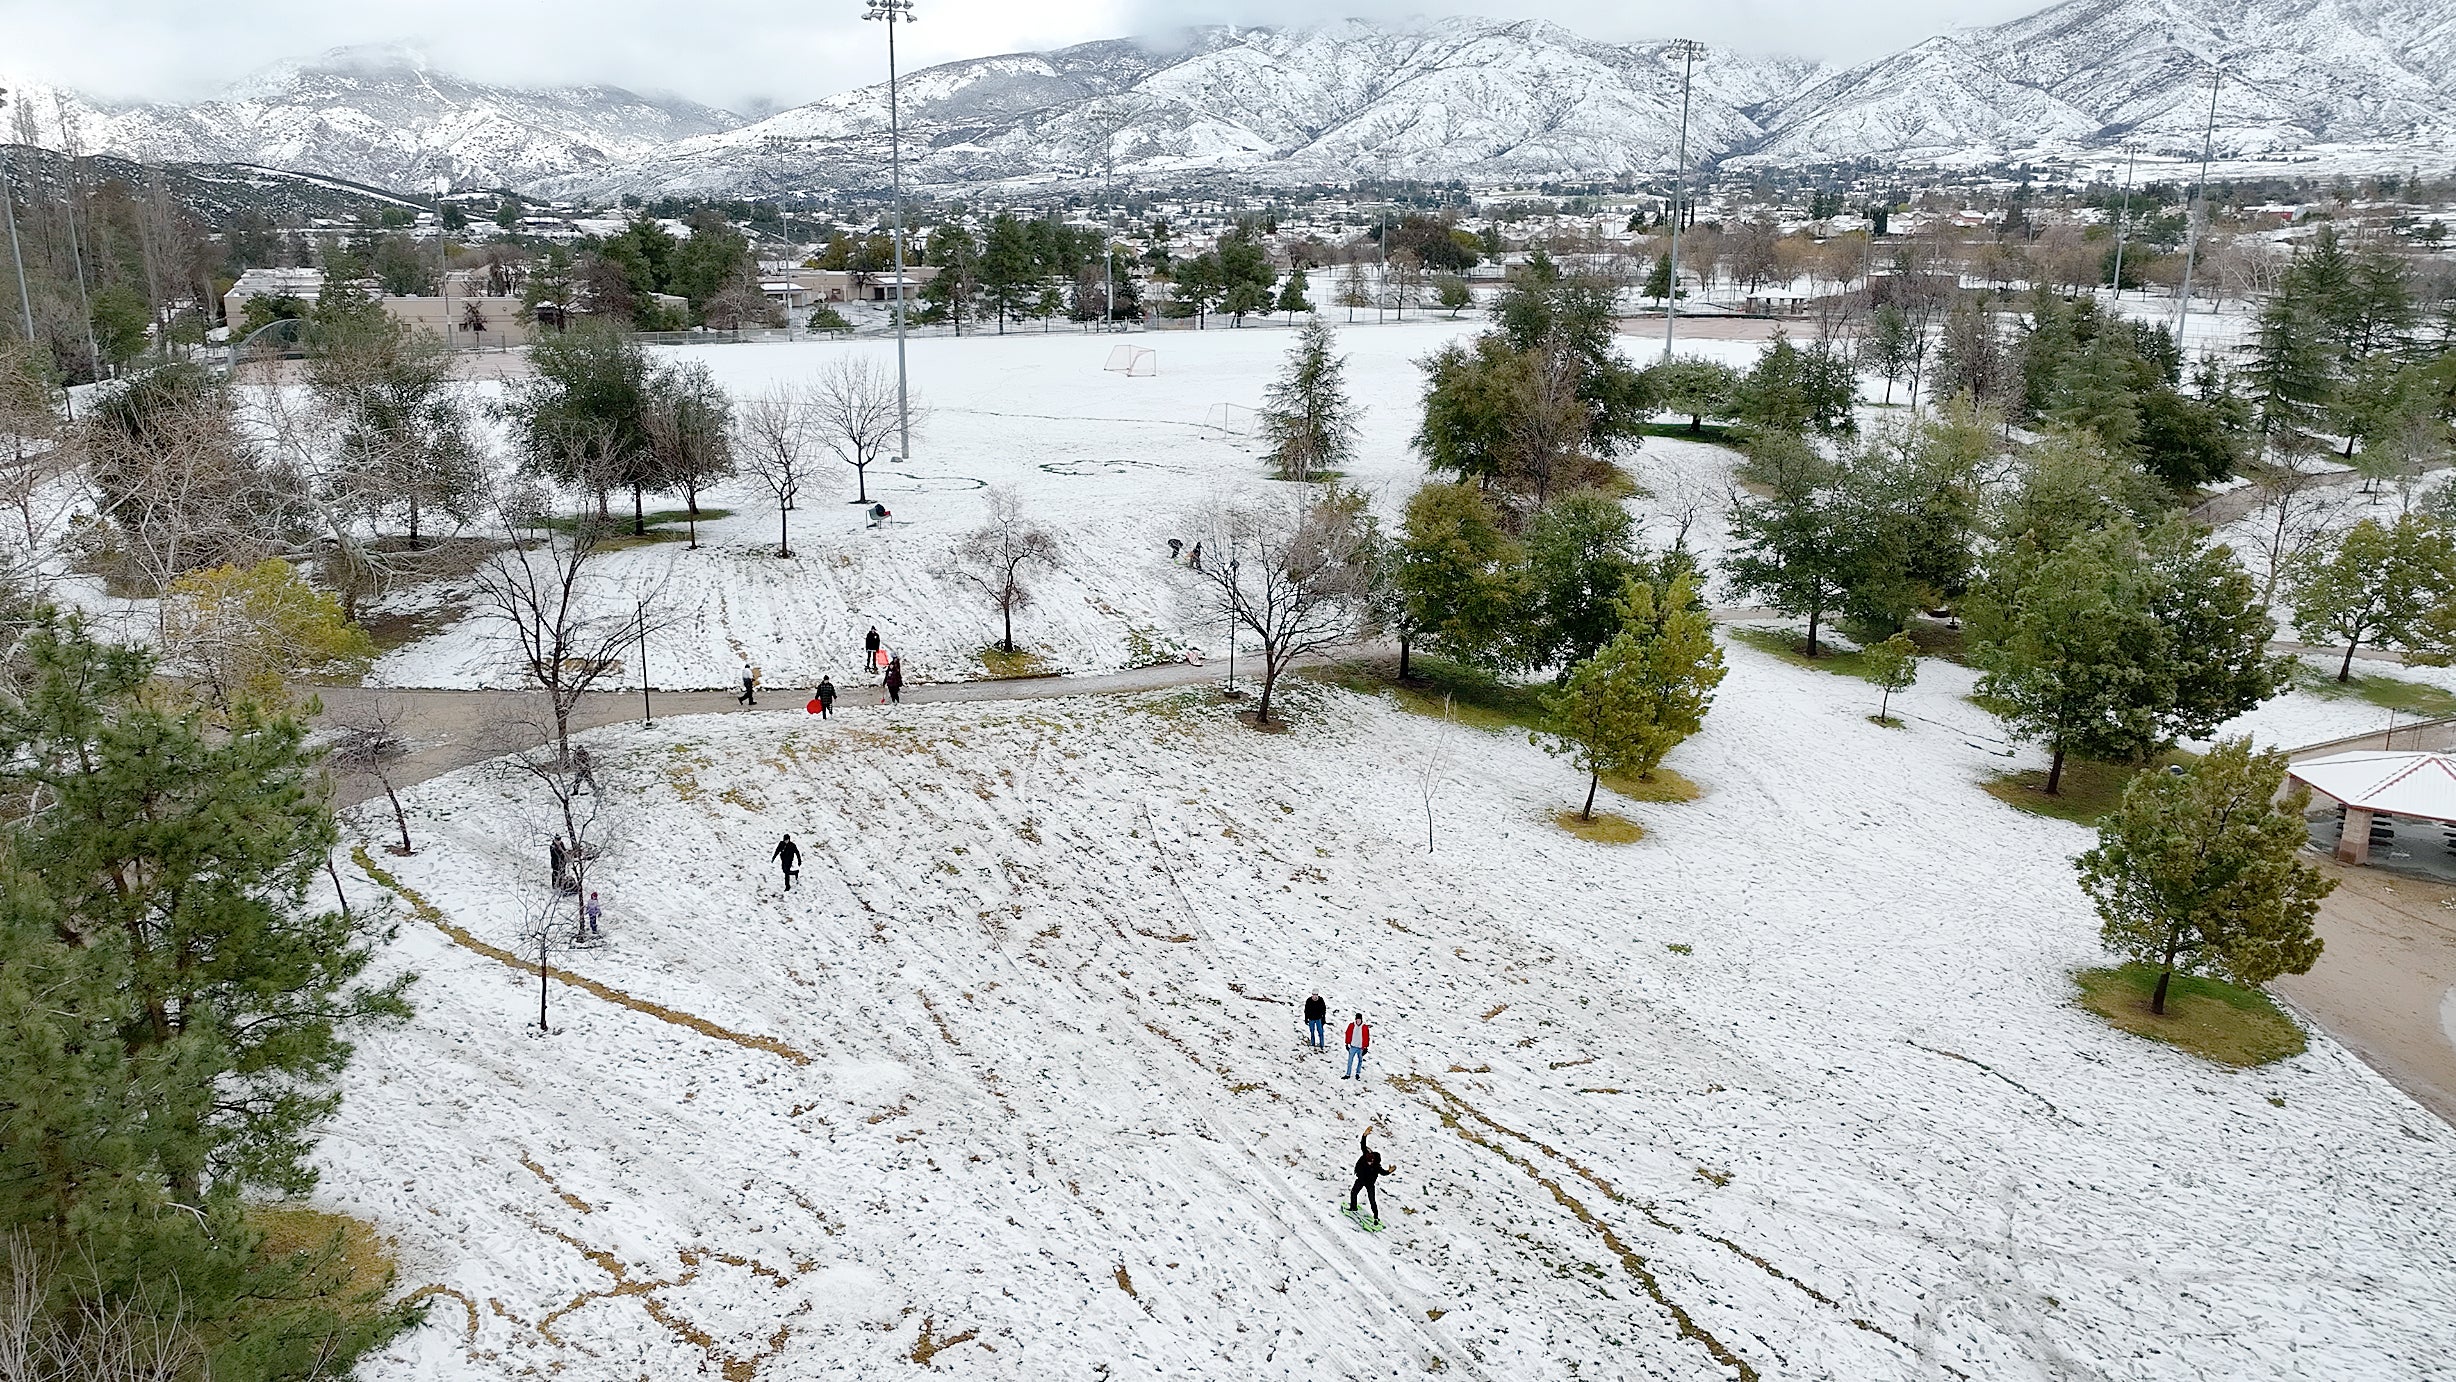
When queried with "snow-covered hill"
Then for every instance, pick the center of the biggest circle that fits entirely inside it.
(2345, 81)
(385, 115)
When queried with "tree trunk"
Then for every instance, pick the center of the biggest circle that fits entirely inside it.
(541, 974)
(1403, 657)
(2157, 1000)
(1270, 679)
(861, 483)
(399, 816)
(784, 531)
(2345, 669)
(639, 513)
(1697, 422)
(2055, 772)
(1007, 609)
(1587, 812)
(1814, 616)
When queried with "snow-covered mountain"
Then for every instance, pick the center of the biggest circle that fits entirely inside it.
(1455, 98)
(1477, 99)
(384, 115)
(2300, 75)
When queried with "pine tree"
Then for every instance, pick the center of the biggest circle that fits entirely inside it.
(2290, 378)
(1307, 417)
(172, 1012)
(1641, 694)
(1292, 299)
(1010, 275)
(1891, 344)
(2199, 871)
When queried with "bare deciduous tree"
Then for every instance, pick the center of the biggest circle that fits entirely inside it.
(775, 436)
(997, 554)
(1295, 571)
(853, 408)
(568, 630)
(2293, 514)
(367, 740)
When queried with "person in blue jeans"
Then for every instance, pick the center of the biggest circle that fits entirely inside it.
(1359, 1040)
(1317, 1017)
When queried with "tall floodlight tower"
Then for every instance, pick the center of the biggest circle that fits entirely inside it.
(2200, 206)
(892, 13)
(2123, 218)
(1688, 50)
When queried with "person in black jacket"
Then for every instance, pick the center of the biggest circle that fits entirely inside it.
(789, 855)
(869, 650)
(826, 698)
(1369, 1169)
(1317, 1013)
(895, 681)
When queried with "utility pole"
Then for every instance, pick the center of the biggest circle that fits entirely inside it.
(1381, 275)
(8, 203)
(1689, 50)
(892, 13)
(2200, 207)
(443, 257)
(2123, 220)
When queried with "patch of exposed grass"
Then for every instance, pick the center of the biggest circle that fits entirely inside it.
(615, 534)
(2418, 699)
(392, 630)
(2090, 789)
(359, 1260)
(1476, 698)
(1604, 829)
(1793, 648)
(2213, 1020)
(1023, 662)
(1664, 788)
(1717, 433)
(1887, 721)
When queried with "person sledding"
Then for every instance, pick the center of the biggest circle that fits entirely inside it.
(1369, 1169)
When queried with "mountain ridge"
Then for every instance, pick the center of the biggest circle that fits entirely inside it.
(1480, 100)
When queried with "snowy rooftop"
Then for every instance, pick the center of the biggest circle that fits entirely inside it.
(2418, 785)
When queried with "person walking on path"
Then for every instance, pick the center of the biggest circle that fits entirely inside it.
(895, 681)
(590, 915)
(788, 855)
(750, 685)
(1369, 1169)
(1359, 1040)
(869, 650)
(1317, 1013)
(826, 696)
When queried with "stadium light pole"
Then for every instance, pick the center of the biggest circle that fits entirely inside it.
(2191, 243)
(892, 13)
(2123, 219)
(1689, 50)
(8, 203)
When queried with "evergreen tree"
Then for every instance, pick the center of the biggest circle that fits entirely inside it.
(172, 1013)
(1794, 390)
(1641, 694)
(405, 446)
(1307, 417)
(2289, 378)
(2392, 587)
(951, 293)
(1456, 577)
(1292, 299)
(1658, 279)
(1802, 548)
(580, 416)
(2200, 871)
(1010, 275)
(1893, 343)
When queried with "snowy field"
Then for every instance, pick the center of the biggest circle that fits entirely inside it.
(1011, 1084)
(1114, 466)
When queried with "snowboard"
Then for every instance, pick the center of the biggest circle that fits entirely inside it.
(1362, 1220)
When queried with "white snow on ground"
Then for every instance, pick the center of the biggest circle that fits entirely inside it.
(1023, 1038)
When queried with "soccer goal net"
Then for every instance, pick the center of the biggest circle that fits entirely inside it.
(1134, 361)
(1231, 419)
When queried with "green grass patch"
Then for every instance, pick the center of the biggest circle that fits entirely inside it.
(2090, 789)
(1793, 648)
(2213, 1020)
(1664, 788)
(1023, 662)
(1475, 697)
(1887, 721)
(1718, 433)
(615, 534)
(2418, 699)
(1604, 829)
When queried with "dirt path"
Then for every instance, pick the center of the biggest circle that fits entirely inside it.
(449, 729)
(2386, 985)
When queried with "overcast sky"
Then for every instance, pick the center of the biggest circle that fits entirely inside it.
(736, 53)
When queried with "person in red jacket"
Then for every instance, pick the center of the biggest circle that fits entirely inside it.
(1359, 1039)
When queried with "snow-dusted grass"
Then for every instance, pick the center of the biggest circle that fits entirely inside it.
(1012, 1081)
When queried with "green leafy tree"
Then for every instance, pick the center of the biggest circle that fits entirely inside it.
(1456, 577)
(1894, 666)
(1641, 694)
(1803, 547)
(1452, 294)
(1694, 386)
(173, 1014)
(1199, 284)
(1010, 273)
(580, 418)
(952, 293)
(1893, 345)
(1795, 391)
(2199, 872)
(245, 633)
(1570, 323)
(405, 448)
(686, 421)
(2290, 378)
(2391, 586)
(1580, 556)
(1307, 418)
(1658, 278)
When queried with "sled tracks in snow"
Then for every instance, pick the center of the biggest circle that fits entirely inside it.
(434, 916)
